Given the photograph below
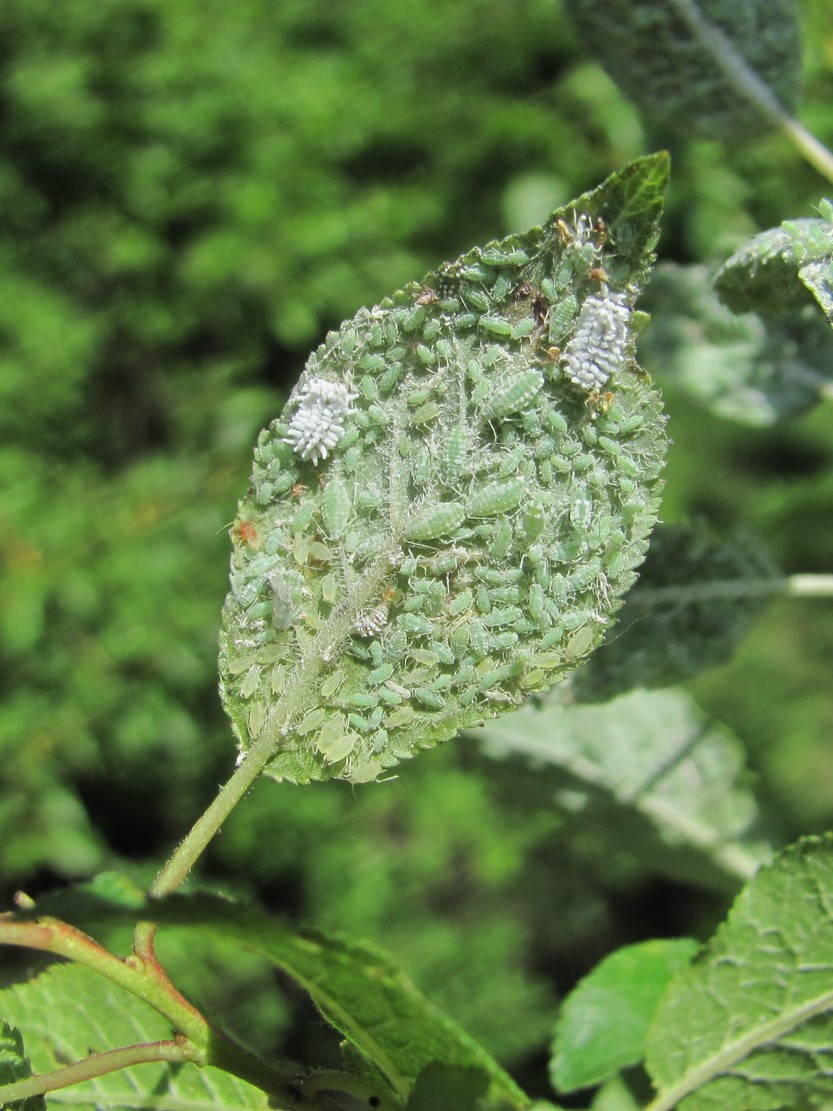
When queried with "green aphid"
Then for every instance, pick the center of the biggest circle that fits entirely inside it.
(515, 396)
(484, 600)
(480, 274)
(390, 378)
(425, 414)
(434, 521)
(496, 325)
(460, 603)
(425, 355)
(429, 698)
(502, 538)
(415, 623)
(311, 721)
(371, 362)
(455, 454)
(362, 700)
(431, 330)
(250, 682)
(476, 298)
(495, 498)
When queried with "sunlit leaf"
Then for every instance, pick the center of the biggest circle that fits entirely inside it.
(446, 515)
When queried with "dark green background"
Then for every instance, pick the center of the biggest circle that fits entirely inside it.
(191, 193)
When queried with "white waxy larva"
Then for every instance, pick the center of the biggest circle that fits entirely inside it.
(370, 622)
(598, 346)
(318, 423)
(434, 521)
(495, 498)
(515, 396)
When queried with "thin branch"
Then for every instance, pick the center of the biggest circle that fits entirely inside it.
(99, 1064)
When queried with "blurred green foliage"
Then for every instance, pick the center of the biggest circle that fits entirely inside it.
(192, 193)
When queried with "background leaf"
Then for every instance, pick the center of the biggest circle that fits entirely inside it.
(664, 57)
(603, 1023)
(750, 369)
(69, 1012)
(637, 757)
(15, 1065)
(468, 539)
(695, 600)
(750, 1023)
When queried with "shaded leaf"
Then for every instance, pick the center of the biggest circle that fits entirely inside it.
(358, 988)
(448, 1088)
(746, 368)
(15, 1065)
(695, 600)
(646, 767)
(712, 68)
(69, 1012)
(603, 1022)
(749, 1025)
(442, 521)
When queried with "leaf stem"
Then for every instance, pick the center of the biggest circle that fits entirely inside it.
(749, 85)
(793, 586)
(177, 1051)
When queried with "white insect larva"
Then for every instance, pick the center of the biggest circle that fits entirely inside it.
(318, 424)
(599, 342)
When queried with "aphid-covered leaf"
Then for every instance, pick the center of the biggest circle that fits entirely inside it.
(748, 1026)
(714, 68)
(695, 600)
(767, 274)
(751, 369)
(436, 449)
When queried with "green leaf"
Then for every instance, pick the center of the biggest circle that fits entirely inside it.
(765, 274)
(604, 1021)
(626, 768)
(695, 600)
(615, 1095)
(15, 1065)
(448, 1088)
(69, 1012)
(466, 539)
(746, 368)
(713, 68)
(358, 988)
(749, 1025)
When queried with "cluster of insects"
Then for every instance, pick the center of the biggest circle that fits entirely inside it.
(446, 516)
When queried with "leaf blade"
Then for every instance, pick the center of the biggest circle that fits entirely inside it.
(423, 500)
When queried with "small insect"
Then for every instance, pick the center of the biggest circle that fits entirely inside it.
(318, 423)
(599, 343)
(598, 402)
(371, 622)
(246, 532)
(427, 297)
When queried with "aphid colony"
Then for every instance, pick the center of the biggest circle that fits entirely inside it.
(471, 523)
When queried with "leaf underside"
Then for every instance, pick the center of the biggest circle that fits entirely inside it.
(662, 54)
(468, 538)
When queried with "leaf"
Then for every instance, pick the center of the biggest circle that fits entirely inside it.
(695, 600)
(358, 988)
(713, 68)
(69, 1012)
(448, 1088)
(468, 517)
(767, 274)
(635, 760)
(15, 1065)
(745, 368)
(749, 1025)
(603, 1022)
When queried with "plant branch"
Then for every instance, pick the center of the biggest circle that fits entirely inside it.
(98, 1064)
(793, 586)
(749, 85)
